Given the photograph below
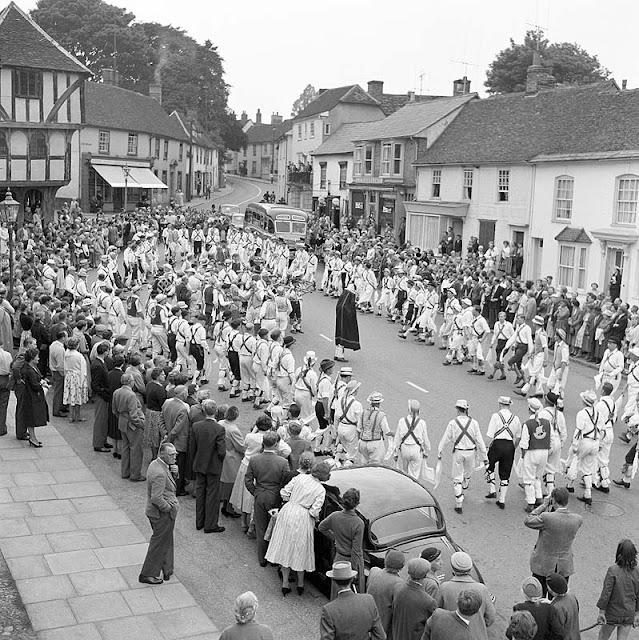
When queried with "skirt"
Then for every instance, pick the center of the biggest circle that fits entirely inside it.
(151, 436)
(291, 543)
(76, 391)
(241, 499)
(226, 489)
(112, 428)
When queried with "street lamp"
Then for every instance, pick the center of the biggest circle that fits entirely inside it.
(127, 172)
(8, 216)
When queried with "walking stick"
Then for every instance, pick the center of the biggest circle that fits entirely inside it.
(592, 626)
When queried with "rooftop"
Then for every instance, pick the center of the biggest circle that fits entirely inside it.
(330, 98)
(24, 44)
(341, 141)
(514, 128)
(116, 108)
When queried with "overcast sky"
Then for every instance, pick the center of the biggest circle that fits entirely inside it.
(272, 50)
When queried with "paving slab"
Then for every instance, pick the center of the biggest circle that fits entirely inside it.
(56, 452)
(94, 503)
(73, 475)
(138, 627)
(77, 632)
(116, 536)
(173, 596)
(28, 567)
(72, 561)
(101, 519)
(73, 541)
(50, 615)
(22, 466)
(50, 524)
(182, 623)
(14, 510)
(122, 556)
(101, 606)
(142, 601)
(5, 496)
(89, 583)
(78, 490)
(13, 528)
(6, 480)
(29, 494)
(45, 588)
(51, 507)
(33, 479)
(25, 546)
(57, 464)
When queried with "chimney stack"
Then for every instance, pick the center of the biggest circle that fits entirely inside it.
(411, 96)
(538, 77)
(624, 84)
(110, 76)
(376, 88)
(276, 118)
(461, 87)
(258, 117)
(155, 91)
(244, 118)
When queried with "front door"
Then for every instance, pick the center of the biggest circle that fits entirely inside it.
(486, 233)
(614, 259)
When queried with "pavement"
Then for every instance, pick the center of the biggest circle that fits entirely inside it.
(75, 555)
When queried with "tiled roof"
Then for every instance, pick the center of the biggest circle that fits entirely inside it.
(200, 136)
(414, 118)
(24, 44)
(516, 128)
(391, 102)
(341, 141)
(262, 133)
(330, 98)
(116, 108)
(573, 234)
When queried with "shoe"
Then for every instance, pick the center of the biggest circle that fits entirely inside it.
(458, 510)
(300, 591)
(166, 576)
(251, 536)
(501, 505)
(491, 496)
(36, 444)
(480, 373)
(263, 563)
(61, 415)
(458, 362)
(204, 381)
(402, 336)
(538, 503)
(117, 456)
(446, 363)
(22, 437)
(140, 479)
(570, 489)
(199, 528)
(529, 508)
(519, 392)
(585, 500)
(491, 376)
(286, 591)
(337, 359)
(473, 371)
(622, 483)
(101, 449)
(182, 493)
(108, 446)
(215, 530)
(603, 489)
(625, 438)
(149, 580)
(231, 514)
(443, 348)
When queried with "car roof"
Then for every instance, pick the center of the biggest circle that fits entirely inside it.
(382, 490)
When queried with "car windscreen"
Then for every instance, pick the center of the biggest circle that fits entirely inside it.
(282, 226)
(404, 525)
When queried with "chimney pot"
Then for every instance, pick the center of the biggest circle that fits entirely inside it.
(258, 117)
(538, 77)
(110, 76)
(624, 84)
(244, 117)
(376, 88)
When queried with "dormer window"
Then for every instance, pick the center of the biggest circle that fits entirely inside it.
(28, 83)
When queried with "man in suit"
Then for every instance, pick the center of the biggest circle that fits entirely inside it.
(351, 616)
(265, 476)
(161, 510)
(56, 365)
(175, 418)
(462, 565)
(100, 388)
(131, 421)
(557, 529)
(382, 584)
(454, 625)
(208, 448)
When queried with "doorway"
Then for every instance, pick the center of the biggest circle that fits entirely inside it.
(32, 201)
(614, 259)
(486, 233)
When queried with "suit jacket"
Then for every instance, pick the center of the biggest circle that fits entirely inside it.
(447, 599)
(553, 550)
(175, 418)
(351, 616)
(208, 446)
(100, 379)
(381, 585)
(128, 408)
(266, 473)
(446, 625)
(160, 491)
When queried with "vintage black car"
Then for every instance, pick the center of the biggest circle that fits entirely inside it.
(398, 513)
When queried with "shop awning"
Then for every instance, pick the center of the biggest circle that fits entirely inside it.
(146, 179)
(139, 177)
(111, 174)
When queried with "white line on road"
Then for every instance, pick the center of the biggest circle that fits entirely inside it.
(416, 387)
(325, 337)
(259, 191)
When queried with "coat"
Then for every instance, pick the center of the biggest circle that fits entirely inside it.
(35, 409)
(128, 408)
(346, 329)
(113, 378)
(412, 607)
(175, 418)
(382, 585)
(446, 625)
(553, 550)
(208, 447)
(620, 595)
(160, 491)
(351, 616)
(100, 380)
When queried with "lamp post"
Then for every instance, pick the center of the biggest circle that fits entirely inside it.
(8, 216)
(127, 172)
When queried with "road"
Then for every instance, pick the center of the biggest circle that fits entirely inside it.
(217, 568)
(238, 191)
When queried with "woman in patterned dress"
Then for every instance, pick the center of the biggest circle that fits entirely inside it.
(292, 540)
(75, 380)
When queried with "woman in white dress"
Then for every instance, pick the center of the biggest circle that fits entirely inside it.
(292, 540)
(305, 388)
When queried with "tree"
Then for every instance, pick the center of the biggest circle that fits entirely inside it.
(306, 97)
(90, 29)
(567, 62)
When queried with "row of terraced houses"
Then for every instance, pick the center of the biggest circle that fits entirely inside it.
(64, 135)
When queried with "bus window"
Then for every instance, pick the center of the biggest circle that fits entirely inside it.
(299, 228)
(270, 226)
(283, 226)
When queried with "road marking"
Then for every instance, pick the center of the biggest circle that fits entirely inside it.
(259, 192)
(416, 387)
(326, 337)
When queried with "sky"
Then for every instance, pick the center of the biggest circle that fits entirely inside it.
(273, 49)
